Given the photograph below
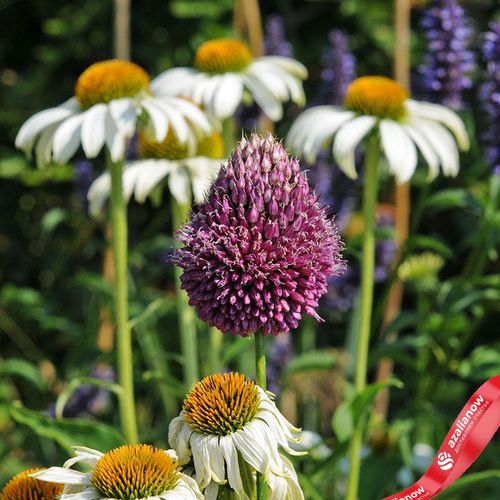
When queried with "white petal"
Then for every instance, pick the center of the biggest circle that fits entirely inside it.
(62, 476)
(228, 95)
(288, 64)
(264, 98)
(203, 173)
(158, 119)
(443, 115)
(124, 113)
(442, 143)
(93, 130)
(173, 81)
(43, 148)
(85, 455)
(201, 459)
(233, 469)
(40, 121)
(346, 140)
(115, 139)
(151, 173)
(399, 150)
(425, 148)
(176, 120)
(86, 494)
(191, 112)
(216, 460)
(212, 491)
(98, 193)
(66, 139)
(178, 183)
(209, 89)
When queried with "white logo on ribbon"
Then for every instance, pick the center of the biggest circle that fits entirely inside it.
(445, 461)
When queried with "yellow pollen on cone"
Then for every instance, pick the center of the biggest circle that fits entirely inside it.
(378, 96)
(223, 55)
(135, 471)
(105, 81)
(221, 404)
(23, 487)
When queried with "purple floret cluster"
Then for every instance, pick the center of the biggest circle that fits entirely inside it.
(259, 251)
(276, 43)
(490, 95)
(447, 70)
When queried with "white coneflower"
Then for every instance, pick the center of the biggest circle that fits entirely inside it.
(227, 420)
(109, 98)
(23, 486)
(188, 173)
(225, 70)
(379, 103)
(130, 472)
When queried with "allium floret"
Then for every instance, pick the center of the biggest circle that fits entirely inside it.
(258, 252)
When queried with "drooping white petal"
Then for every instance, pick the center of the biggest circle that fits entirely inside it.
(40, 121)
(98, 193)
(178, 183)
(124, 113)
(346, 140)
(158, 118)
(232, 467)
(185, 489)
(425, 148)
(115, 139)
(151, 173)
(264, 98)
(273, 83)
(443, 115)
(66, 140)
(179, 435)
(62, 476)
(191, 112)
(176, 120)
(203, 171)
(228, 95)
(399, 150)
(43, 148)
(85, 494)
(212, 491)
(216, 459)
(288, 64)
(201, 459)
(93, 130)
(173, 82)
(286, 485)
(85, 455)
(442, 143)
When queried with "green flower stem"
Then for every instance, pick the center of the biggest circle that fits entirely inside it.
(372, 154)
(229, 135)
(186, 314)
(260, 375)
(123, 331)
(215, 352)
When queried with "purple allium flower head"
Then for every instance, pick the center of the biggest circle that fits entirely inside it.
(339, 68)
(449, 64)
(258, 252)
(490, 95)
(275, 39)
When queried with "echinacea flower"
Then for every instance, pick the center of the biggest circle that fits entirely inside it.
(226, 419)
(130, 472)
(188, 173)
(258, 252)
(110, 96)
(24, 487)
(376, 103)
(225, 70)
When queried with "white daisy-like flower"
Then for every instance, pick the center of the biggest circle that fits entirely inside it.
(228, 420)
(110, 96)
(376, 103)
(130, 472)
(225, 72)
(189, 173)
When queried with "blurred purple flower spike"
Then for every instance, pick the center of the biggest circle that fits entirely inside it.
(258, 252)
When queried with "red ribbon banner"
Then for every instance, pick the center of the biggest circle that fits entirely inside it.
(473, 429)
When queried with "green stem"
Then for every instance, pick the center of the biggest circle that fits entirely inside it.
(228, 135)
(372, 155)
(186, 314)
(123, 332)
(260, 375)
(215, 350)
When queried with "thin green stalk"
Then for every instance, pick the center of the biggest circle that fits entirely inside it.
(215, 352)
(260, 375)
(186, 314)
(123, 332)
(372, 155)
(228, 135)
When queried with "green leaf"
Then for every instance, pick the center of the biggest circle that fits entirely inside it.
(51, 220)
(68, 432)
(343, 421)
(24, 369)
(315, 360)
(420, 242)
(484, 362)
(448, 198)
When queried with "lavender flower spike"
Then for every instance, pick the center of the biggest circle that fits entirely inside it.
(447, 70)
(258, 252)
(490, 95)
(276, 42)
